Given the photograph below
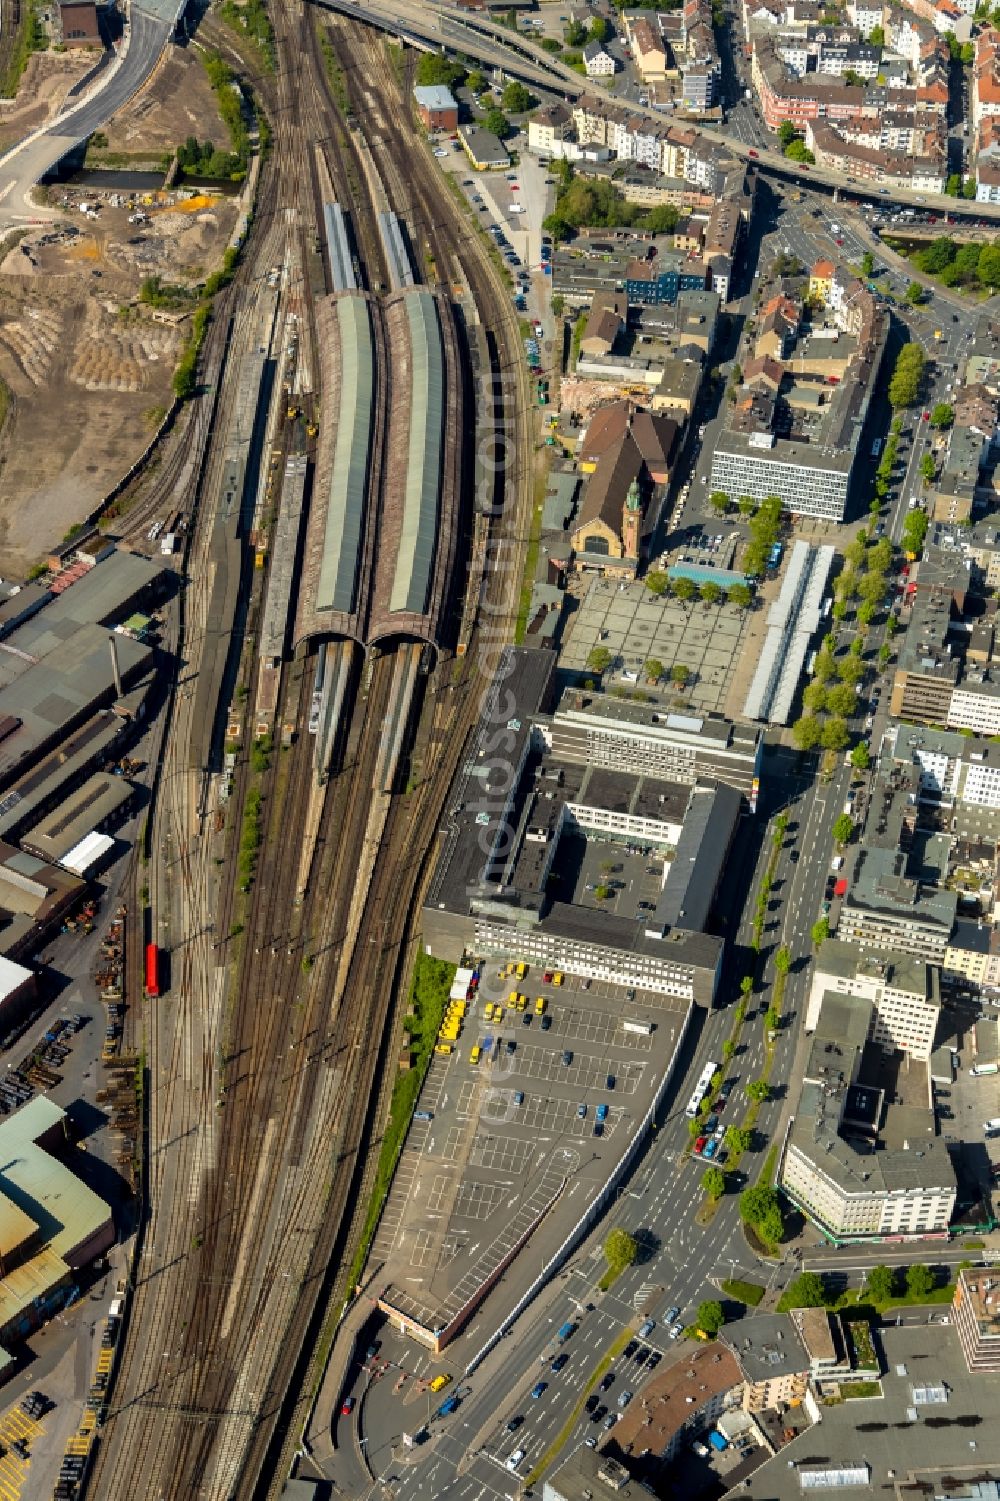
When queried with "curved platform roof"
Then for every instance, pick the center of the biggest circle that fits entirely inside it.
(333, 597)
(422, 467)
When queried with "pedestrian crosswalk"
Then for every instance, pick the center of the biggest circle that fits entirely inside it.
(643, 1294)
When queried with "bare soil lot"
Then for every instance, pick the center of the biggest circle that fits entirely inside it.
(86, 364)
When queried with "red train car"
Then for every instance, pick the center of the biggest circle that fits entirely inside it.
(152, 970)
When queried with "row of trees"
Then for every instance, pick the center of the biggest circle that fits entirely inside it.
(710, 593)
(957, 265)
(882, 1283)
(907, 375)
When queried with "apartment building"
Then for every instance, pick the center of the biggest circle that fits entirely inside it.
(975, 1312)
(773, 1359)
(904, 994)
(887, 909)
(861, 1159)
(959, 777)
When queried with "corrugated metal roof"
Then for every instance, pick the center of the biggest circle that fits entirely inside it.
(415, 558)
(338, 573)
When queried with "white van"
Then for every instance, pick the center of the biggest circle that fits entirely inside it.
(517, 208)
(515, 1459)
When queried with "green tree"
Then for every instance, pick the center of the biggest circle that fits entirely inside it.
(575, 33)
(740, 595)
(989, 265)
(476, 81)
(738, 1140)
(714, 1182)
(719, 501)
(683, 589)
(798, 151)
(786, 133)
(867, 265)
(495, 121)
(746, 985)
(834, 735)
(558, 305)
(654, 669)
(839, 610)
(679, 674)
(942, 415)
(710, 592)
(599, 29)
(820, 930)
(806, 732)
(861, 757)
(927, 467)
(620, 1249)
(759, 1205)
(880, 1283)
(919, 1280)
(877, 36)
(884, 654)
(517, 100)
(826, 666)
(599, 659)
(807, 1291)
(814, 698)
(434, 68)
(657, 582)
(841, 700)
(710, 1317)
(783, 960)
(759, 1091)
(747, 505)
(849, 669)
(843, 829)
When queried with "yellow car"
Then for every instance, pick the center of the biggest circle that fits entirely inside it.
(442, 1047)
(476, 1054)
(540, 1006)
(522, 1002)
(522, 970)
(557, 978)
(440, 1382)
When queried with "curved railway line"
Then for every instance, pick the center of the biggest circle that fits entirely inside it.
(265, 1095)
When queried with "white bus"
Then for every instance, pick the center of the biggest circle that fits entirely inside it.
(701, 1090)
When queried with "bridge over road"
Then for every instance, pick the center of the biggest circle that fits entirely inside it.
(443, 28)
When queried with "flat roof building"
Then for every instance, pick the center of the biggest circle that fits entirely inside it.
(904, 991)
(101, 800)
(663, 743)
(492, 891)
(862, 1159)
(51, 1224)
(887, 908)
(976, 1314)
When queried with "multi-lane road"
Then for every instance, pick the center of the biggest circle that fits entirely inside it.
(466, 1452)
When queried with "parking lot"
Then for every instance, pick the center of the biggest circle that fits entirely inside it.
(523, 1121)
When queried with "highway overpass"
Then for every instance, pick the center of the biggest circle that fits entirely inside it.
(442, 28)
(151, 25)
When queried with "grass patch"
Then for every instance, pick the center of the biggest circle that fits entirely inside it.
(530, 564)
(432, 979)
(852, 1391)
(749, 1293)
(967, 1245)
(563, 1437)
(250, 21)
(31, 37)
(335, 75)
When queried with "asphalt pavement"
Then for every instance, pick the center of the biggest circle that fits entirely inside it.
(151, 24)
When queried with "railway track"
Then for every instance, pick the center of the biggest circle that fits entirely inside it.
(267, 1095)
